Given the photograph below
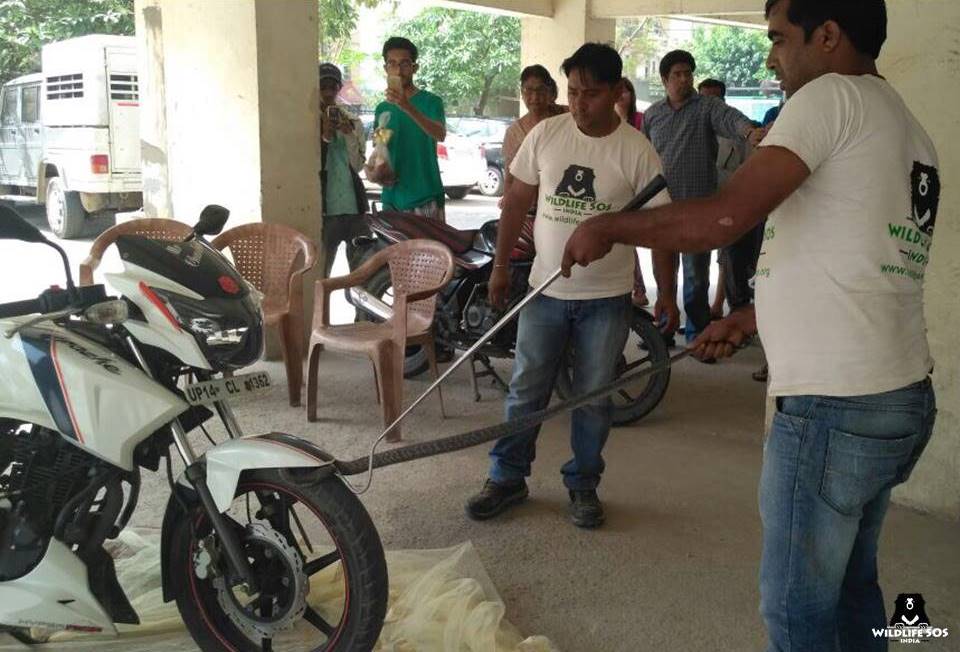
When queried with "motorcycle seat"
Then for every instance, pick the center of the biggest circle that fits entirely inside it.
(407, 226)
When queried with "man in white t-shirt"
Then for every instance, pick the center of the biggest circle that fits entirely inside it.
(850, 180)
(585, 162)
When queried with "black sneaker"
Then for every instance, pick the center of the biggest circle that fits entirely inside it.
(585, 508)
(496, 498)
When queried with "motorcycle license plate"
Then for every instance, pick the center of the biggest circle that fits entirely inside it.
(221, 389)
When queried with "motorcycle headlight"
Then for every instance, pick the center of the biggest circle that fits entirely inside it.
(229, 331)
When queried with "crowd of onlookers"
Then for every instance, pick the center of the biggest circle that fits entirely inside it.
(841, 173)
(700, 141)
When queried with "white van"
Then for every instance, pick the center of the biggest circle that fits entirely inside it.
(70, 135)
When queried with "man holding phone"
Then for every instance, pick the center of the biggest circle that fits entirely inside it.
(341, 156)
(417, 122)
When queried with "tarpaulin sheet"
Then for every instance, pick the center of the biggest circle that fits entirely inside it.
(440, 600)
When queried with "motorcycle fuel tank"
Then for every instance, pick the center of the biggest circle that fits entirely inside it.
(93, 397)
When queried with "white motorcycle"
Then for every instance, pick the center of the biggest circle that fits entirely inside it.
(93, 388)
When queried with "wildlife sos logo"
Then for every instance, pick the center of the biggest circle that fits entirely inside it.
(575, 198)
(910, 610)
(924, 196)
(910, 623)
(577, 183)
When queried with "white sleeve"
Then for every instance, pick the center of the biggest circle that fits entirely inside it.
(815, 123)
(525, 166)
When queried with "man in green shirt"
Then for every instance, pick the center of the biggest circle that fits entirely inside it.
(418, 122)
(341, 155)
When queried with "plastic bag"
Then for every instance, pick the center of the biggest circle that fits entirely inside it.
(378, 168)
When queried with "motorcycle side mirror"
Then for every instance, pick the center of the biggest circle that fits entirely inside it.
(14, 227)
(212, 219)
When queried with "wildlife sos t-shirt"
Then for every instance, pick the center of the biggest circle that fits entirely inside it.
(839, 283)
(579, 177)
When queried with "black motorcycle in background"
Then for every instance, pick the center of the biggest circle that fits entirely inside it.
(464, 313)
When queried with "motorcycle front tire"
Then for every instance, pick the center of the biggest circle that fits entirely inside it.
(360, 554)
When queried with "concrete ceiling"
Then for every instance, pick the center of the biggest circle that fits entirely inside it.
(742, 11)
(520, 8)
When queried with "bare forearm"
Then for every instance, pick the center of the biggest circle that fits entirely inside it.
(756, 189)
(434, 129)
(745, 319)
(508, 231)
(665, 263)
(688, 226)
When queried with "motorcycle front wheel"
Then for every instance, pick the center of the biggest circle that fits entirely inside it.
(317, 559)
(645, 347)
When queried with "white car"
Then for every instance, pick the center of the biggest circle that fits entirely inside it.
(462, 162)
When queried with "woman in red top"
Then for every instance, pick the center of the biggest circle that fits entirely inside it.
(626, 106)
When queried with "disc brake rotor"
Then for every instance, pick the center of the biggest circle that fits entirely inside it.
(283, 586)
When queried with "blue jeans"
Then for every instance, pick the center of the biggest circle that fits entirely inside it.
(696, 288)
(829, 465)
(597, 330)
(738, 263)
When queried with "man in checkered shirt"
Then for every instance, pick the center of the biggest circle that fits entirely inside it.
(683, 128)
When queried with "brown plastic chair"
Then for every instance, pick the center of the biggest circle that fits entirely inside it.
(156, 228)
(266, 255)
(418, 270)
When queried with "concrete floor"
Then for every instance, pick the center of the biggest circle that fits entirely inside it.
(675, 566)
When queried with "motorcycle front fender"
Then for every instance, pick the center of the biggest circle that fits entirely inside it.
(225, 464)
(227, 461)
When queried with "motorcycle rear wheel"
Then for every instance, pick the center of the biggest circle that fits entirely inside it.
(415, 361)
(645, 347)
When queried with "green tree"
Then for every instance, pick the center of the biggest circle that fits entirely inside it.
(27, 25)
(733, 55)
(640, 42)
(466, 57)
(338, 20)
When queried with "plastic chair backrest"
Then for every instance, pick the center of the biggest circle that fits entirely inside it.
(149, 227)
(418, 266)
(265, 255)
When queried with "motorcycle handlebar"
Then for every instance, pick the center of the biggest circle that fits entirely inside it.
(54, 300)
(19, 308)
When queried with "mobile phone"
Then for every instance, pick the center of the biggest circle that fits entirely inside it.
(394, 83)
(335, 115)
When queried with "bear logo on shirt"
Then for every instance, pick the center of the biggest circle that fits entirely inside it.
(577, 183)
(924, 196)
(909, 610)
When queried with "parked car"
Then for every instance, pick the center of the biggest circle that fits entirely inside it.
(462, 162)
(487, 133)
(70, 134)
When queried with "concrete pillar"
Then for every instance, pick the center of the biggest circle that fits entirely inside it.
(922, 60)
(548, 41)
(229, 109)
(228, 102)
